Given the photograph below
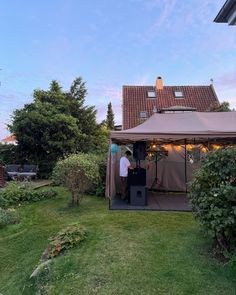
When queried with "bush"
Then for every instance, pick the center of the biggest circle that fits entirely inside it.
(16, 192)
(78, 172)
(8, 154)
(213, 197)
(101, 185)
(67, 238)
(3, 202)
(98, 188)
(7, 217)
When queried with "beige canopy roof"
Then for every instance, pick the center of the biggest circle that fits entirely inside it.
(177, 126)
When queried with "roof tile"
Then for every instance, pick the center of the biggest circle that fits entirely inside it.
(135, 100)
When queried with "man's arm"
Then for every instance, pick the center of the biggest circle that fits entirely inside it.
(130, 166)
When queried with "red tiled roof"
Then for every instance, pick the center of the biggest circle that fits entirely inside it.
(135, 100)
(9, 138)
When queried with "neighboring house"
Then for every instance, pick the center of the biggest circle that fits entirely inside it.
(11, 139)
(139, 102)
(227, 14)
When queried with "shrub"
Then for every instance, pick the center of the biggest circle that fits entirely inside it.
(101, 185)
(98, 188)
(16, 192)
(8, 154)
(3, 202)
(77, 172)
(65, 239)
(7, 217)
(213, 197)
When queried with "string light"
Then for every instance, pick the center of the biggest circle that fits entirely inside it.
(189, 147)
(216, 146)
(204, 150)
(178, 148)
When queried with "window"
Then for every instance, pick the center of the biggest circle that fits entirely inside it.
(151, 94)
(143, 115)
(179, 94)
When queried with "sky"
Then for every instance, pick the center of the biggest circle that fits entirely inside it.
(111, 43)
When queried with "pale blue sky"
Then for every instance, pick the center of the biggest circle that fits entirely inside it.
(111, 43)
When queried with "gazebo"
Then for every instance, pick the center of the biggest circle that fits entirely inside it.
(179, 134)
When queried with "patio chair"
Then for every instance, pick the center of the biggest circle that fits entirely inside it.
(28, 172)
(12, 171)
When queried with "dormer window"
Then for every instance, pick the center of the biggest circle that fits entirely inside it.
(151, 94)
(143, 115)
(179, 94)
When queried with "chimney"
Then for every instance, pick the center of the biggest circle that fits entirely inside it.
(159, 83)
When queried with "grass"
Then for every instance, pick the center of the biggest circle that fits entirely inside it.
(124, 253)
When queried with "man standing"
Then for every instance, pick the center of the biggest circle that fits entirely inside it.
(124, 166)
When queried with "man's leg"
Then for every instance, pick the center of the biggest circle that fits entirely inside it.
(123, 187)
(127, 192)
(126, 189)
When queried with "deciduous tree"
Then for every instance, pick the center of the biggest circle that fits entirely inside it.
(55, 124)
(222, 107)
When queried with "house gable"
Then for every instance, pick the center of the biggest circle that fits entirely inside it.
(136, 100)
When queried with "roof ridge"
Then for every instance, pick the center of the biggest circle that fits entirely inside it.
(168, 86)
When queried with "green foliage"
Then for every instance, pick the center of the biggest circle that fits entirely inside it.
(222, 107)
(3, 202)
(7, 217)
(15, 193)
(213, 197)
(56, 124)
(65, 239)
(8, 154)
(232, 259)
(99, 186)
(110, 123)
(77, 172)
(101, 144)
(120, 247)
(41, 280)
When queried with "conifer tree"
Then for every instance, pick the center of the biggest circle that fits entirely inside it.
(110, 117)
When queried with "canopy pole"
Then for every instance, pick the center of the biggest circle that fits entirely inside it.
(110, 163)
(185, 165)
(110, 183)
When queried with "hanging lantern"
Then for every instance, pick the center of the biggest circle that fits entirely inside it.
(114, 148)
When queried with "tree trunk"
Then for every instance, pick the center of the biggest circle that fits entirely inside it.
(223, 242)
(75, 199)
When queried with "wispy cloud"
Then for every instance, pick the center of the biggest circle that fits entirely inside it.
(100, 95)
(226, 87)
(164, 17)
(142, 80)
(3, 130)
(228, 80)
(178, 19)
(104, 93)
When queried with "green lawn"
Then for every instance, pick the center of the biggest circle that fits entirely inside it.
(124, 253)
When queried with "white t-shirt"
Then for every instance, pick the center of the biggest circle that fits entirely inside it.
(124, 164)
